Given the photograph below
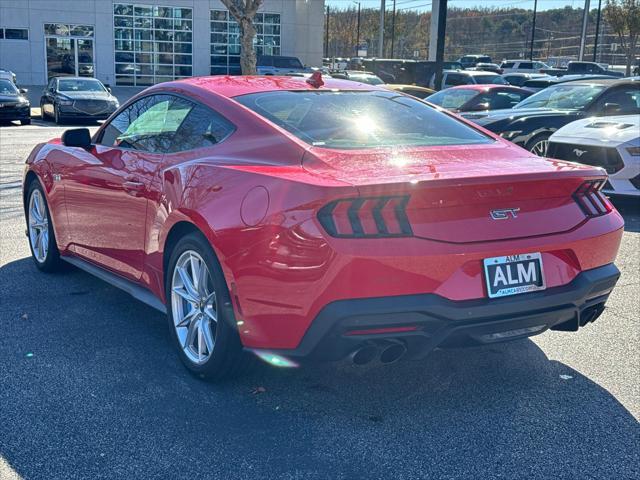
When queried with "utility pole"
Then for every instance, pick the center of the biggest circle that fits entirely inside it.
(595, 42)
(381, 32)
(393, 28)
(533, 28)
(438, 35)
(583, 38)
(326, 34)
(358, 29)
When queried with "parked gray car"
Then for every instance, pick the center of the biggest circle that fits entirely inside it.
(279, 65)
(78, 98)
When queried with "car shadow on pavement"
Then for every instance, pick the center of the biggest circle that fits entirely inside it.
(629, 208)
(92, 388)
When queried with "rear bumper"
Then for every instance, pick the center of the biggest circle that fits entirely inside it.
(440, 322)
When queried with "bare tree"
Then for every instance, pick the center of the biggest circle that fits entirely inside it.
(244, 12)
(623, 16)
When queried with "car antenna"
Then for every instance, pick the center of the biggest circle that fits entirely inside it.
(315, 80)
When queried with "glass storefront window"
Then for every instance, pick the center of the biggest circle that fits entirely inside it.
(225, 40)
(156, 33)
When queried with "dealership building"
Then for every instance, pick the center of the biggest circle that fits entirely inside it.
(146, 42)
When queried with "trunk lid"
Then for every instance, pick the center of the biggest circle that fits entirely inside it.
(465, 194)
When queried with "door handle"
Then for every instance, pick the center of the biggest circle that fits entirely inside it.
(133, 187)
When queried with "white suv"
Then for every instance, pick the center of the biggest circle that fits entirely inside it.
(522, 66)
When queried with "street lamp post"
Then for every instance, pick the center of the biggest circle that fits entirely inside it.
(533, 29)
(358, 29)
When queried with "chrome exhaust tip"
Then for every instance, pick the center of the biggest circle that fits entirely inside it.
(392, 353)
(364, 355)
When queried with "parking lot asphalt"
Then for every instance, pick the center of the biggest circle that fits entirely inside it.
(91, 387)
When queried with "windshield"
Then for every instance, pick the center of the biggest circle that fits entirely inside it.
(485, 79)
(77, 85)
(572, 97)
(453, 98)
(360, 119)
(8, 88)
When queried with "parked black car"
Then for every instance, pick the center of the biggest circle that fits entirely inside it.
(13, 104)
(540, 83)
(531, 122)
(78, 98)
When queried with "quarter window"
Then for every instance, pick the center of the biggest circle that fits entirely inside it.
(165, 124)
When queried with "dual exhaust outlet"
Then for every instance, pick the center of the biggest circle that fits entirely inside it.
(387, 352)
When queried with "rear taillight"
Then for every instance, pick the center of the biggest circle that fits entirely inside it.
(591, 200)
(373, 217)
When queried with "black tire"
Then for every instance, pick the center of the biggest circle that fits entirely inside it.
(52, 261)
(227, 359)
(26, 121)
(531, 144)
(58, 120)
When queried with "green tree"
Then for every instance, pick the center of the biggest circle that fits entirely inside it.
(623, 16)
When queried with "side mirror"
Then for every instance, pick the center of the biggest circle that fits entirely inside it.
(108, 87)
(23, 90)
(611, 108)
(77, 137)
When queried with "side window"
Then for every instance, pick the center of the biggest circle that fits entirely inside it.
(526, 65)
(148, 124)
(201, 128)
(455, 79)
(626, 101)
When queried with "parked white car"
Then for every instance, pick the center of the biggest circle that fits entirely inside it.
(451, 78)
(522, 66)
(612, 143)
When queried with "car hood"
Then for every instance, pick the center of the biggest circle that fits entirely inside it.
(600, 130)
(86, 95)
(9, 98)
(490, 116)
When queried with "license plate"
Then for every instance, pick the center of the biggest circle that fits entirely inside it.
(514, 274)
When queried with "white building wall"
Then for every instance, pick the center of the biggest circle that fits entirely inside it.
(302, 23)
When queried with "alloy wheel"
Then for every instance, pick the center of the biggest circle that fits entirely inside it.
(38, 226)
(194, 307)
(540, 148)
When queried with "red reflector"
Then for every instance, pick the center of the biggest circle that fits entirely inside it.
(379, 331)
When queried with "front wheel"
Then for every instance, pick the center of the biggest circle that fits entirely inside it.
(539, 145)
(42, 240)
(200, 313)
(56, 116)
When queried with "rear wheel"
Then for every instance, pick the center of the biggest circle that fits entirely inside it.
(200, 313)
(42, 240)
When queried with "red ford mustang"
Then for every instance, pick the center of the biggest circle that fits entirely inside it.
(302, 220)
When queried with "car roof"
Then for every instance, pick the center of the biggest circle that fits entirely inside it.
(236, 85)
(67, 77)
(608, 82)
(482, 87)
(472, 73)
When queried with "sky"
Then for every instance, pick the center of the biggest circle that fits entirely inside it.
(424, 5)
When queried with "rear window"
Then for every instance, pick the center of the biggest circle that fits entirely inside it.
(286, 62)
(506, 65)
(360, 119)
(492, 79)
(452, 97)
